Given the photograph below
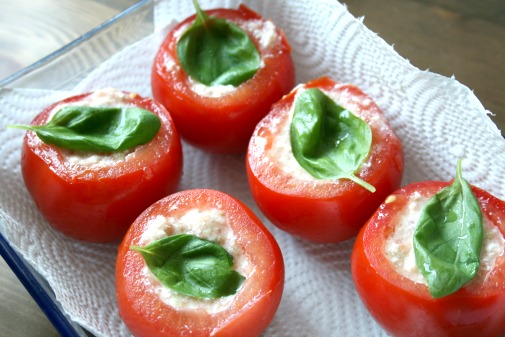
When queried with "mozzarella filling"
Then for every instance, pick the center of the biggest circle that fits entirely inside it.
(281, 152)
(210, 224)
(399, 247)
(266, 35)
(105, 97)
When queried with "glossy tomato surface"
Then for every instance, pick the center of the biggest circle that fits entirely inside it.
(250, 310)
(224, 123)
(322, 210)
(98, 202)
(406, 308)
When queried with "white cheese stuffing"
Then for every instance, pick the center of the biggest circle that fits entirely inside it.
(263, 31)
(210, 91)
(97, 160)
(281, 150)
(210, 224)
(399, 247)
(103, 97)
(282, 153)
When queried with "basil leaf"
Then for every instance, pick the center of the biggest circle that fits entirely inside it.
(327, 140)
(448, 238)
(192, 266)
(217, 52)
(98, 129)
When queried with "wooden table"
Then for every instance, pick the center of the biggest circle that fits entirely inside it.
(464, 38)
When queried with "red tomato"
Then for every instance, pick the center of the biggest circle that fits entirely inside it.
(99, 203)
(223, 124)
(325, 210)
(406, 308)
(253, 306)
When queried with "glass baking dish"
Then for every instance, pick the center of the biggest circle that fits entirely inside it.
(62, 70)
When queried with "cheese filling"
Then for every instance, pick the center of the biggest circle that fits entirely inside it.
(399, 247)
(210, 91)
(266, 35)
(281, 152)
(210, 224)
(105, 97)
(263, 31)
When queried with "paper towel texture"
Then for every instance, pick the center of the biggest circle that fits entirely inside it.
(437, 119)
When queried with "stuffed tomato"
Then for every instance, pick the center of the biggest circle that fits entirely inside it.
(218, 73)
(217, 270)
(93, 162)
(323, 160)
(427, 264)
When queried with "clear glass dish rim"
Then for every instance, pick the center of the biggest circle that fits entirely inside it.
(66, 48)
(36, 286)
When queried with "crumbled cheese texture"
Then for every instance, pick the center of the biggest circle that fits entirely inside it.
(263, 31)
(281, 151)
(104, 97)
(399, 247)
(210, 224)
(210, 91)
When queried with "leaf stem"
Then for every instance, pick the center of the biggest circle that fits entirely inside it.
(21, 127)
(142, 250)
(362, 183)
(459, 169)
(200, 14)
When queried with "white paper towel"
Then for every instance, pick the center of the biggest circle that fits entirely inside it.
(438, 120)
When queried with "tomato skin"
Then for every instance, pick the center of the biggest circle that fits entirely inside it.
(256, 301)
(99, 204)
(223, 124)
(405, 308)
(327, 212)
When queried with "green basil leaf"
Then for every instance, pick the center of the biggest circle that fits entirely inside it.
(192, 266)
(217, 52)
(448, 238)
(327, 140)
(98, 129)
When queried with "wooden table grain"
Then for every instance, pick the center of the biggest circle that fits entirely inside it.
(460, 38)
